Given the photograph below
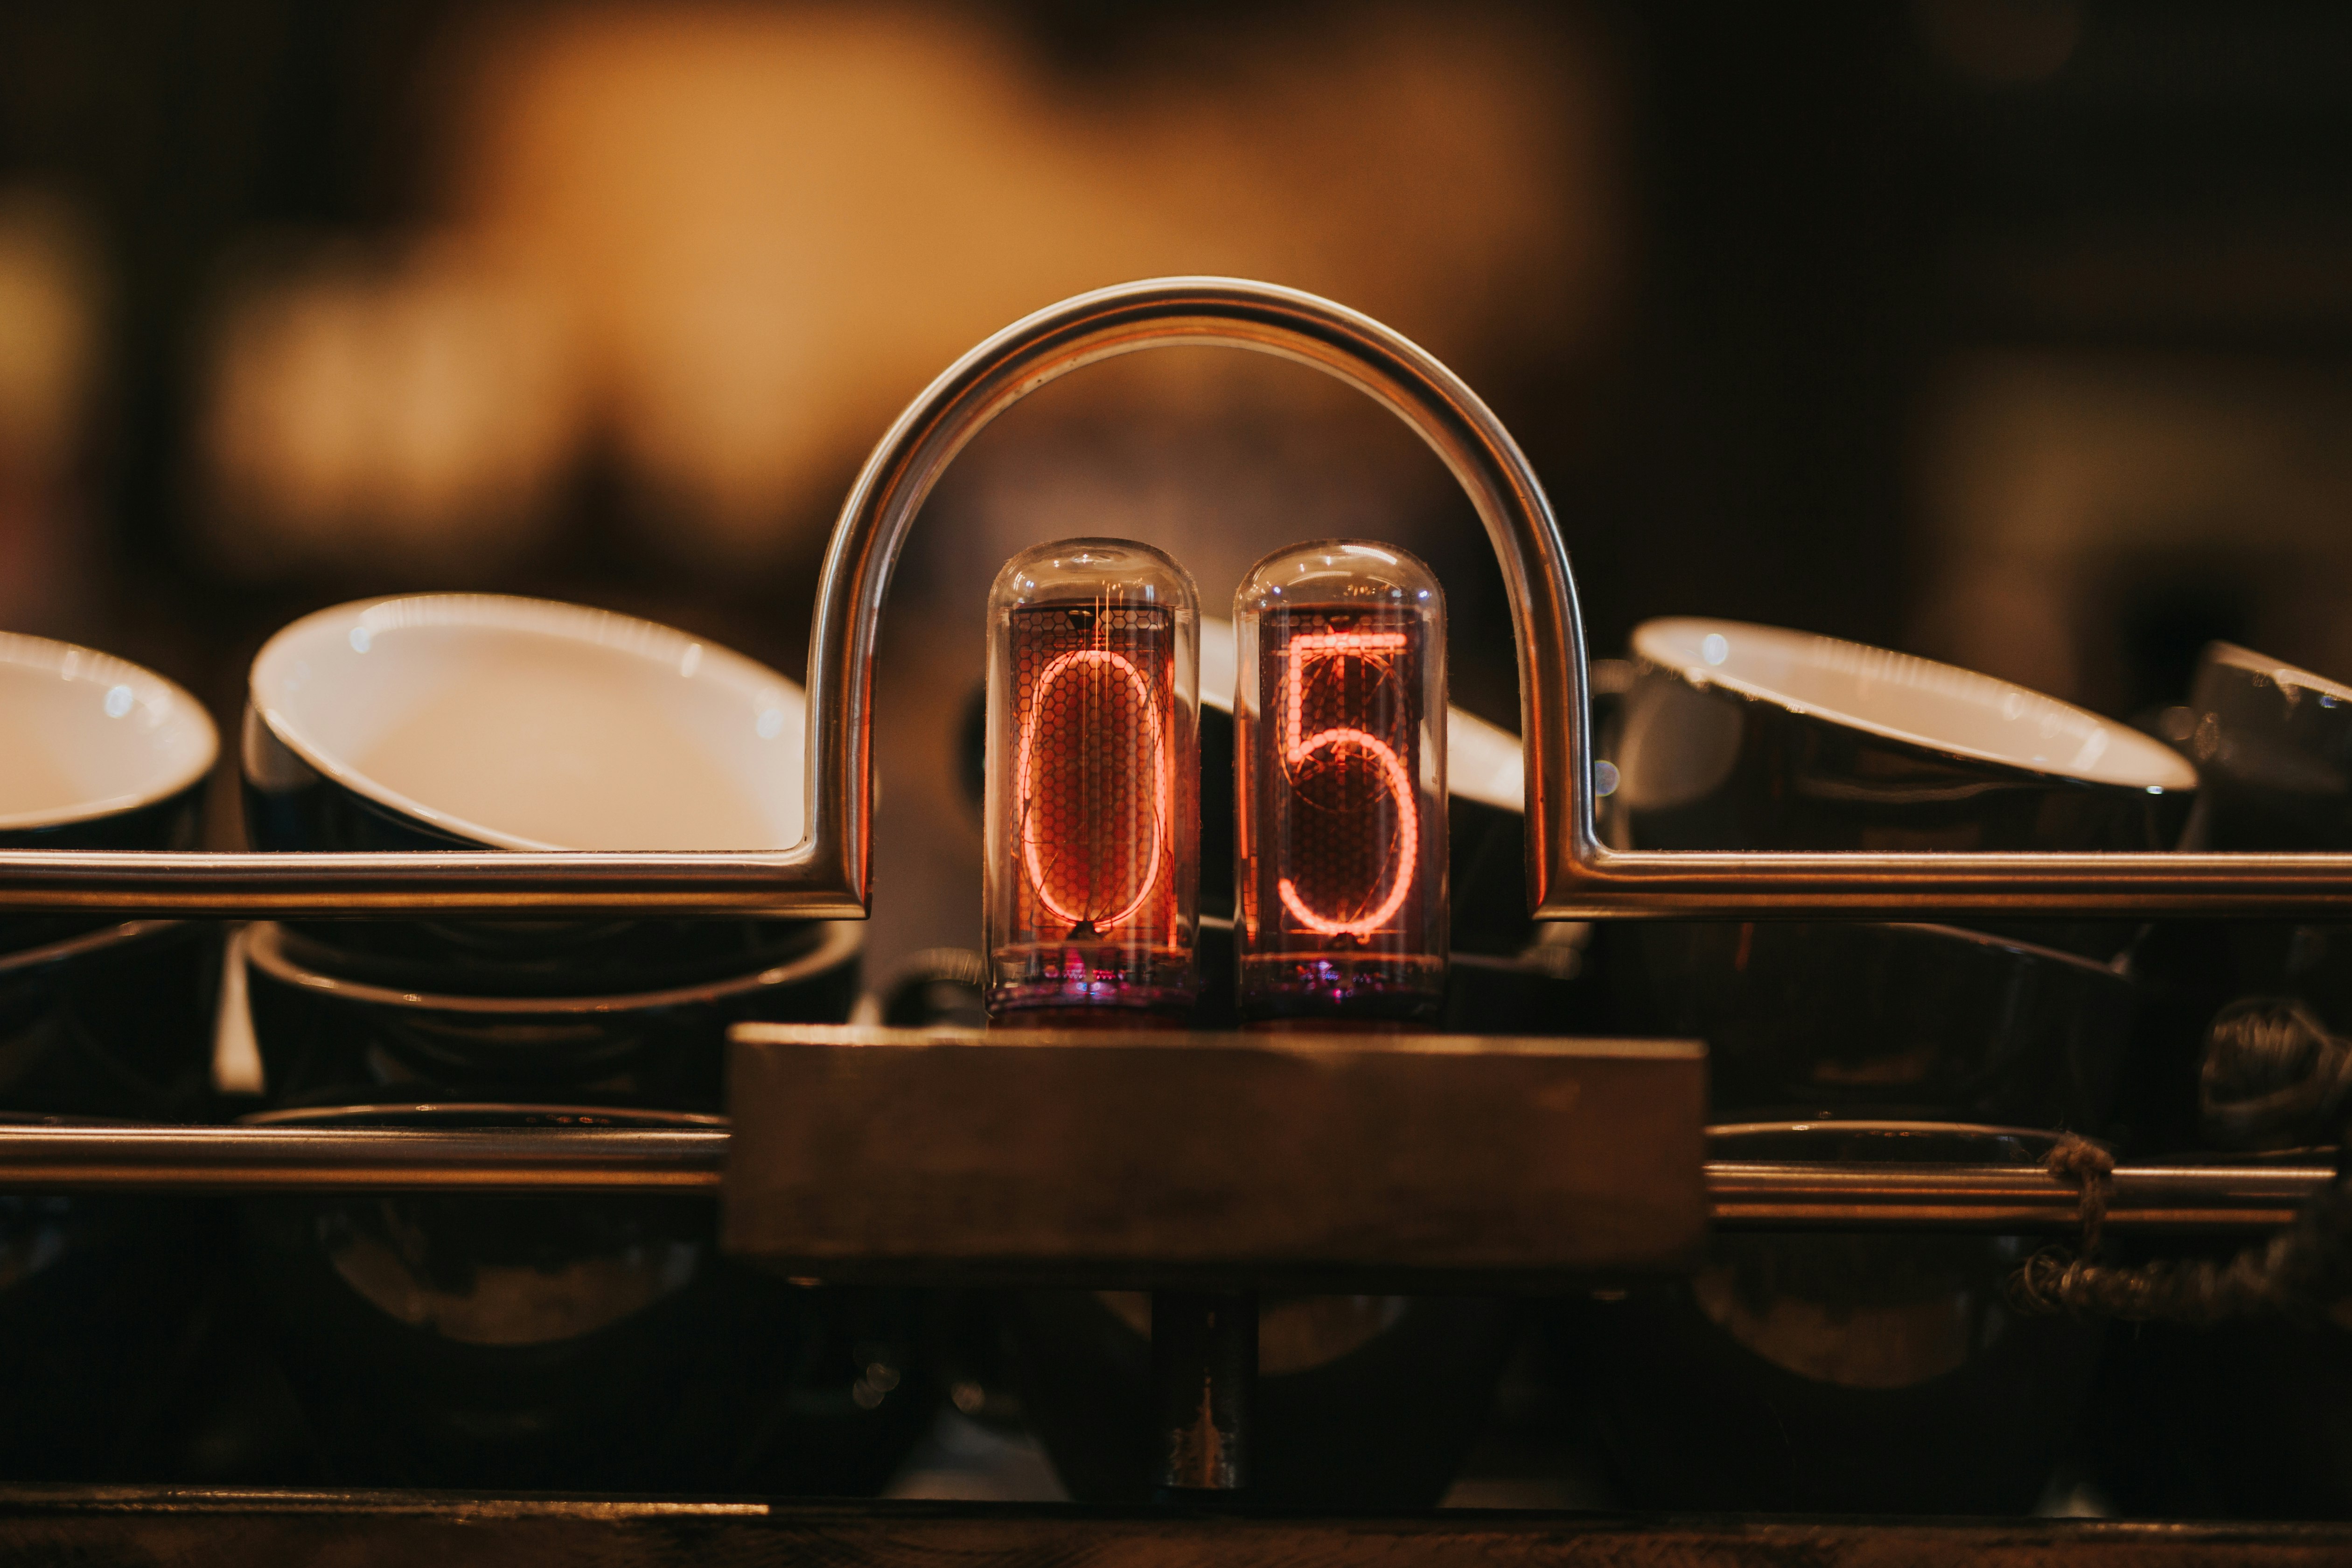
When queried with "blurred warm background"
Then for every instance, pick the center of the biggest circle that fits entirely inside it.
(2013, 331)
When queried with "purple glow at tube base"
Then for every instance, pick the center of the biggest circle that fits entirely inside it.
(1093, 781)
(1340, 725)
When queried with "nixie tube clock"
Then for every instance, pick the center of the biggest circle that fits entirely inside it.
(1339, 728)
(1093, 820)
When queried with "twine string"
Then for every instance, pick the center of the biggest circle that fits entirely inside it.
(2298, 1273)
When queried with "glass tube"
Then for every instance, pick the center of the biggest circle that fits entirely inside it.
(1093, 815)
(1340, 748)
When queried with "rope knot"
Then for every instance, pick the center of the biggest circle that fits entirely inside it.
(2090, 1170)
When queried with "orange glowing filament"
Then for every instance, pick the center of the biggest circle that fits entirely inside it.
(1302, 650)
(1026, 782)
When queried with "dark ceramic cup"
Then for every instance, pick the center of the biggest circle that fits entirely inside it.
(582, 1343)
(337, 1028)
(1740, 737)
(443, 721)
(1734, 737)
(2244, 1054)
(2273, 747)
(1838, 1373)
(2272, 744)
(99, 1299)
(99, 1017)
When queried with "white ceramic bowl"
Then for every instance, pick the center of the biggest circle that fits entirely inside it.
(520, 723)
(1909, 700)
(95, 751)
(1740, 737)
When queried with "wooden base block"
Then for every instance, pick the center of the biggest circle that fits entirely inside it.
(1298, 1161)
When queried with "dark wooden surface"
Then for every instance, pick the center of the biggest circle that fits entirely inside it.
(137, 1529)
(1096, 1157)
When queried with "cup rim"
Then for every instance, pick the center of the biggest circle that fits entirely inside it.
(2301, 1155)
(83, 942)
(1676, 644)
(1974, 937)
(1869, 1124)
(840, 940)
(556, 618)
(91, 667)
(2247, 661)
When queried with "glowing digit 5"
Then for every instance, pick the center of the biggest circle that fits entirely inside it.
(1025, 782)
(1302, 650)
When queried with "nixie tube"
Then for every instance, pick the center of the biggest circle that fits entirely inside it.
(1093, 816)
(1340, 729)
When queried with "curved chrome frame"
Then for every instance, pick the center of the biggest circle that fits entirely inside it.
(1570, 875)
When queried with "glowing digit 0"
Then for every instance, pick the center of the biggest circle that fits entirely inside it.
(1093, 688)
(1024, 776)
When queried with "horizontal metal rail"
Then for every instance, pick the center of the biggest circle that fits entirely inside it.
(1606, 884)
(221, 1527)
(1600, 884)
(1756, 1196)
(1743, 1195)
(137, 883)
(536, 1160)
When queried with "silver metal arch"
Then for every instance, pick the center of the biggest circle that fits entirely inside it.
(1226, 312)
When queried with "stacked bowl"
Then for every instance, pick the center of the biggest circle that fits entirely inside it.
(99, 1019)
(1857, 1373)
(476, 721)
(536, 1342)
(1747, 738)
(100, 1016)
